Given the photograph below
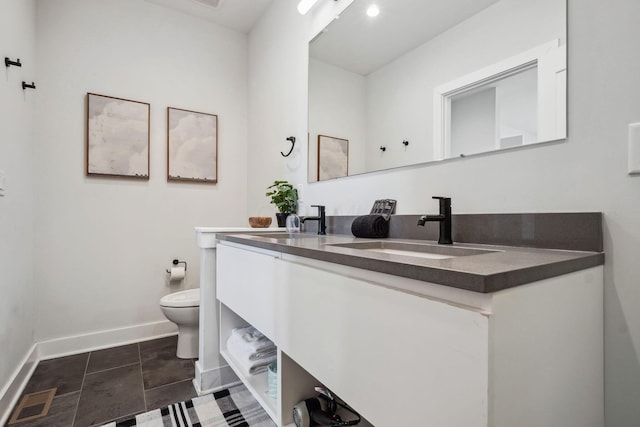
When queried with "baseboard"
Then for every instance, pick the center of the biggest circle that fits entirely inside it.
(214, 380)
(73, 345)
(11, 392)
(104, 339)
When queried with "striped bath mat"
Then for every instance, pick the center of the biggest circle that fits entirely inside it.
(233, 407)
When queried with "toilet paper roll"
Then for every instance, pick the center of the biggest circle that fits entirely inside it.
(177, 273)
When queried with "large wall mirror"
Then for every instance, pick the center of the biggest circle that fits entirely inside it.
(427, 80)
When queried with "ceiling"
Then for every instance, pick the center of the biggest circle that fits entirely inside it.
(239, 15)
(361, 44)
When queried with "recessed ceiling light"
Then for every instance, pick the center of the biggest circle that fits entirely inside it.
(373, 10)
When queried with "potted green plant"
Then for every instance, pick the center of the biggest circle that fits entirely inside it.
(285, 197)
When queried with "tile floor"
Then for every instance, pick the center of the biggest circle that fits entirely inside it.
(112, 384)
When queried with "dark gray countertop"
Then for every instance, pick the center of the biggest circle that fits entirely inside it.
(505, 267)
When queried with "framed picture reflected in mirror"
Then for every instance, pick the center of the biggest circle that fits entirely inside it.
(333, 157)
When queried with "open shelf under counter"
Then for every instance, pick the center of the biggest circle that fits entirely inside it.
(256, 384)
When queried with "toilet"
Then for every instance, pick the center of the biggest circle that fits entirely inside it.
(183, 309)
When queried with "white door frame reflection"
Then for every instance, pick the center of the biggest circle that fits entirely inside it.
(549, 116)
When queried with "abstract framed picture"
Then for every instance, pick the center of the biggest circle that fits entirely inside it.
(117, 137)
(333, 157)
(192, 146)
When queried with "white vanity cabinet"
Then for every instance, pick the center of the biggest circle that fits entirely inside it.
(249, 285)
(526, 356)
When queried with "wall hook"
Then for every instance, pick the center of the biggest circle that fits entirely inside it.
(26, 85)
(8, 62)
(383, 148)
(405, 143)
(292, 140)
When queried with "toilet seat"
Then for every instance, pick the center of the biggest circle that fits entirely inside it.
(188, 298)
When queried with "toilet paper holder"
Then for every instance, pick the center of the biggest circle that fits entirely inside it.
(176, 262)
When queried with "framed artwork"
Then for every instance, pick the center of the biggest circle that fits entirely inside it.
(117, 137)
(192, 146)
(333, 157)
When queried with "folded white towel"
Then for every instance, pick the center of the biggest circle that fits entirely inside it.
(251, 363)
(263, 354)
(251, 350)
(261, 367)
(250, 339)
(249, 334)
(240, 351)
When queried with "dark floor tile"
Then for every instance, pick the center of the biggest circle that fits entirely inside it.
(65, 373)
(113, 358)
(158, 343)
(61, 412)
(160, 366)
(166, 395)
(110, 394)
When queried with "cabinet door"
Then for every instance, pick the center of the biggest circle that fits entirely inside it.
(245, 282)
(400, 359)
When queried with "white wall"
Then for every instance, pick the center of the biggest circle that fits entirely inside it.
(473, 123)
(585, 173)
(337, 103)
(17, 40)
(277, 78)
(402, 91)
(103, 244)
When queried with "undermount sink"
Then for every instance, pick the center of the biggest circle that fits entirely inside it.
(420, 250)
(284, 235)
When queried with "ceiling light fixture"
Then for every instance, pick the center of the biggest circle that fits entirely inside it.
(373, 11)
(305, 6)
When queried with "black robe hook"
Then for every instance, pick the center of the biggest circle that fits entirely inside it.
(27, 85)
(8, 62)
(291, 139)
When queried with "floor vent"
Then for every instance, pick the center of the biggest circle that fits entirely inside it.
(33, 406)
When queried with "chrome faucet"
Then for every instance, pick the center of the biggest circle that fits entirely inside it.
(322, 225)
(444, 218)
